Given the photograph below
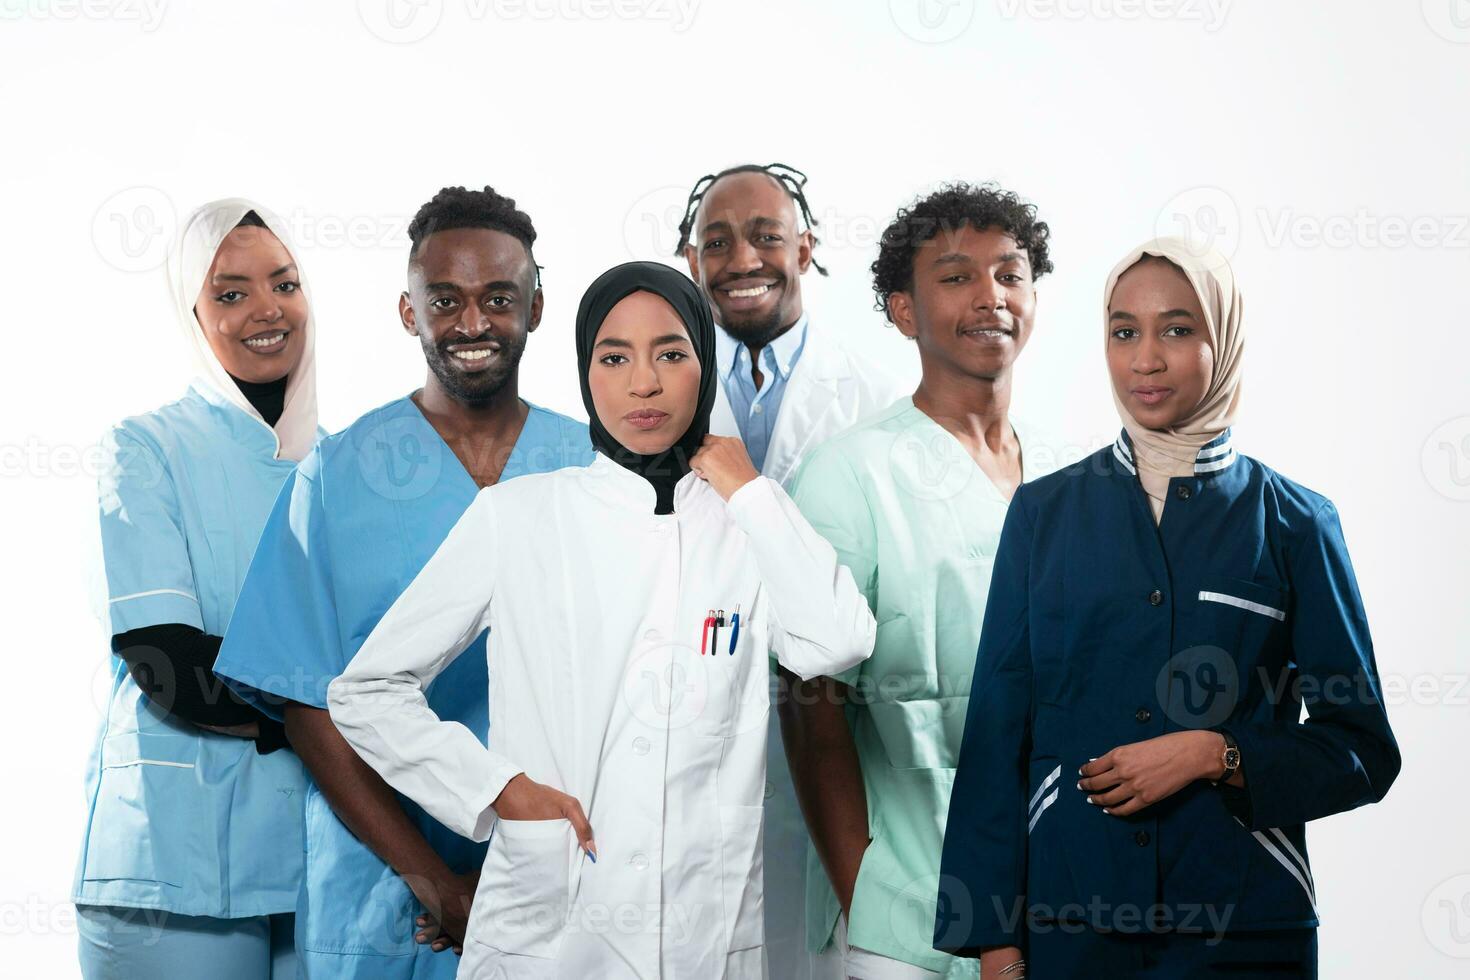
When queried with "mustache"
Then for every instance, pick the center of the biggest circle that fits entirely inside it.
(777, 279)
(1001, 320)
(494, 342)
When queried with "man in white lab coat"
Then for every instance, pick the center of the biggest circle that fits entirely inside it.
(786, 385)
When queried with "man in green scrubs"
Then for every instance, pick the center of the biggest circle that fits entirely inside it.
(913, 499)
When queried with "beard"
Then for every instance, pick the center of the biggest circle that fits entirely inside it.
(754, 329)
(479, 386)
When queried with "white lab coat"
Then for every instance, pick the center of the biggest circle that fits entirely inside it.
(598, 687)
(830, 389)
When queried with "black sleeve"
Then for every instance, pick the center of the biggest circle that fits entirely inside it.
(173, 665)
(272, 736)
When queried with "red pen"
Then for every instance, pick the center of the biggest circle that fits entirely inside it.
(709, 622)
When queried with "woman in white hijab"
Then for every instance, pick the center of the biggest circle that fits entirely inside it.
(192, 855)
(1156, 616)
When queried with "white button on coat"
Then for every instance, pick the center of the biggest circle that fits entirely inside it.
(560, 568)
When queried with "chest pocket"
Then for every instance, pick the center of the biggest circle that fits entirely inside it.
(734, 687)
(1263, 600)
(1243, 618)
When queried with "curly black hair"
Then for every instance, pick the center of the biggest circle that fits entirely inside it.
(947, 210)
(455, 207)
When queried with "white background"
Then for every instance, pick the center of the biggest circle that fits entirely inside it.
(1323, 145)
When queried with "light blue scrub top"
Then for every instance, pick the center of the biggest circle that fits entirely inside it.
(353, 527)
(179, 818)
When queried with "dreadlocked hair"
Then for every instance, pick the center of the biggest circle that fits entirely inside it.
(793, 181)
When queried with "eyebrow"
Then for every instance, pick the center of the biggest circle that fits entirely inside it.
(1167, 315)
(999, 259)
(668, 338)
(759, 221)
(506, 284)
(288, 267)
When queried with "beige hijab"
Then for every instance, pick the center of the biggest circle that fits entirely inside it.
(1161, 454)
(199, 237)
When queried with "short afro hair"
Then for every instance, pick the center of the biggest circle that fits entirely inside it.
(948, 209)
(455, 207)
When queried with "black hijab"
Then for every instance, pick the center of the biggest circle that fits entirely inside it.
(664, 469)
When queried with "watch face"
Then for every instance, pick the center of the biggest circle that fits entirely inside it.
(1232, 759)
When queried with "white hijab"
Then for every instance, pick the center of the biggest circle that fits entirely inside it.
(1161, 454)
(199, 237)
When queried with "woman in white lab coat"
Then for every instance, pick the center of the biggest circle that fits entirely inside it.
(627, 700)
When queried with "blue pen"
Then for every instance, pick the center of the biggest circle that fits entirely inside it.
(734, 628)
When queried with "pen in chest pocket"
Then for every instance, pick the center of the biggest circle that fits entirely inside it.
(709, 632)
(709, 623)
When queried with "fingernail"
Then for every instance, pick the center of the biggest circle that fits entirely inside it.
(1107, 811)
(1089, 799)
(1079, 784)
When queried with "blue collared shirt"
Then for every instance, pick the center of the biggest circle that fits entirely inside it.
(755, 409)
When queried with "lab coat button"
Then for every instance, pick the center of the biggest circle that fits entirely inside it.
(770, 790)
(1141, 838)
(1183, 491)
(639, 861)
(640, 745)
(1156, 598)
(1142, 715)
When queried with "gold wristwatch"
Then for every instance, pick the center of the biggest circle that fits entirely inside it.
(1230, 757)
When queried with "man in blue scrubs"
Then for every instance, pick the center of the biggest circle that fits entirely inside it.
(387, 889)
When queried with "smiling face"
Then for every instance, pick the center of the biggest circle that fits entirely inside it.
(644, 376)
(1159, 353)
(748, 255)
(472, 300)
(251, 307)
(972, 304)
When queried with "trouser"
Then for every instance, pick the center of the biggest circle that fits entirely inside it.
(117, 943)
(855, 963)
(1056, 952)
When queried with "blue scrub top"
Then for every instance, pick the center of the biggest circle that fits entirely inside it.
(351, 529)
(1102, 629)
(179, 818)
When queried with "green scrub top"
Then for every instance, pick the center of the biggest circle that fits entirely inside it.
(917, 522)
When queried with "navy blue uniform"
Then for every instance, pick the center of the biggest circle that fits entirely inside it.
(1104, 629)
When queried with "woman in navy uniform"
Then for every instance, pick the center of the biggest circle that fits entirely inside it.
(1135, 772)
